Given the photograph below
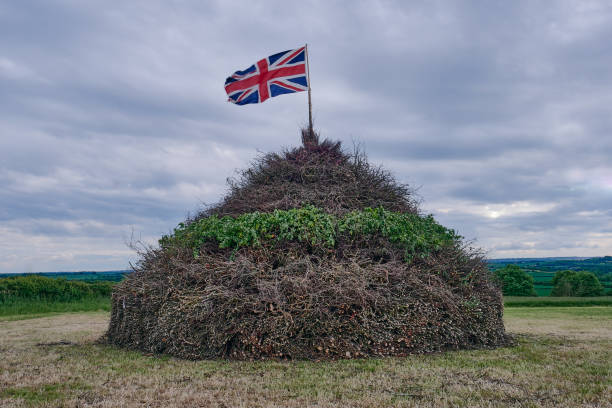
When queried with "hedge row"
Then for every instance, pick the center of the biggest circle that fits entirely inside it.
(34, 287)
(517, 301)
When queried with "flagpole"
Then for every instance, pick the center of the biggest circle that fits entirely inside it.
(309, 99)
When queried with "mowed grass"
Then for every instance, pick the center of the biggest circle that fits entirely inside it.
(561, 359)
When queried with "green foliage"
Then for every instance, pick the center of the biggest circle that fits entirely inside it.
(32, 287)
(515, 281)
(576, 283)
(563, 283)
(543, 271)
(605, 277)
(588, 285)
(419, 236)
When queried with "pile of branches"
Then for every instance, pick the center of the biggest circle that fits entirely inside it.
(316, 173)
(355, 294)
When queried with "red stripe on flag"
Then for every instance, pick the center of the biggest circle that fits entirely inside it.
(262, 79)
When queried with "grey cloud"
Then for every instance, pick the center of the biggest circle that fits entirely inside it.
(112, 117)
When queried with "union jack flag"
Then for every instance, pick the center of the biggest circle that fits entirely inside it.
(278, 74)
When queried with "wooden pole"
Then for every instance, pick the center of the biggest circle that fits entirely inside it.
(309, 99)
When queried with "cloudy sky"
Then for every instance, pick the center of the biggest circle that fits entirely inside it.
(114, 123)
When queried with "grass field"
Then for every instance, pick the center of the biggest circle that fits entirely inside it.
(561, 359)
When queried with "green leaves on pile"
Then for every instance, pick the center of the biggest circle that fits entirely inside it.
(419, 236)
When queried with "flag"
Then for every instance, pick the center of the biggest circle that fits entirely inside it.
(278, 74)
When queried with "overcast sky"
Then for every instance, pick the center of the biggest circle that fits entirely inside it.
(114, 121)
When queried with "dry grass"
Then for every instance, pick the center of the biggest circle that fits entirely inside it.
(562, 358)
(587, 323)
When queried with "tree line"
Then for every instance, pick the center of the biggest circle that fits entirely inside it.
(514, 281)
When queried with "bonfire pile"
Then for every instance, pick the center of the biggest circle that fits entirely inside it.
(313, 254)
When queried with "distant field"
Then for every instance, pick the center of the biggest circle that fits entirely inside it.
(561, 359)
(543, 269)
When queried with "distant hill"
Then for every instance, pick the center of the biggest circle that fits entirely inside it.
(548, 259)
(113, 276)
(599, 265)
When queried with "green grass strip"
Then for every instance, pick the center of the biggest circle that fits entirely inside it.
(40, 307)
(517, 301)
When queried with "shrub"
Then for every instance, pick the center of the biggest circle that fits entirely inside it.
(576, 283)
(33, 287)
(515, 281)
